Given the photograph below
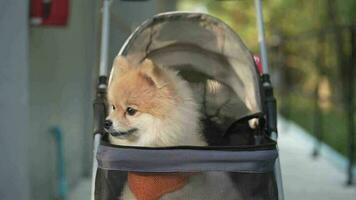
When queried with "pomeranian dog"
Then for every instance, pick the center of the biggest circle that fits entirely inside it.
(152, 106)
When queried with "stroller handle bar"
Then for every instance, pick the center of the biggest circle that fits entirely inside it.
(261, 36)
(105, 27)
(105, 32)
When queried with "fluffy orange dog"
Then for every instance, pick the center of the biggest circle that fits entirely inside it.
(153, 107)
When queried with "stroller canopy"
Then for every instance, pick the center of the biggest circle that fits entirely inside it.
(208, 54)
(223, 75)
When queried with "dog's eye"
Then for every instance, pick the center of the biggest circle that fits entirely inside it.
(131, 111)
(113, 107)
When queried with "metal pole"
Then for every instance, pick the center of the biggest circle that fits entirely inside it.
(271, 108)
(278, 175)
(261, 36)
(97, 139)
(62, 187)
(318, 113)
(99, 104)
(104, 46)
(99, 117)
(318, 128)
(350, 112)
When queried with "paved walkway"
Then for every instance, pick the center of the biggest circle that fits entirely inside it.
(304, 177)
(82, 191)
(307, 178)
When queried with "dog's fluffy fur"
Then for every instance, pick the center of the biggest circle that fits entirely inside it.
(166, 115)
(166, 112)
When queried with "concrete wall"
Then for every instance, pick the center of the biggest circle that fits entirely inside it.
(62, 60)
(14, 119)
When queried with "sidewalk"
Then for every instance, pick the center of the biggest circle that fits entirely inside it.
(305, 177)
(82, 191)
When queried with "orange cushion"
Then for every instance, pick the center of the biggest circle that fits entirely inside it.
(151, 186)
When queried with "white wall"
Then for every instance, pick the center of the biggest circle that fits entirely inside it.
(62, 60)
(14, 106)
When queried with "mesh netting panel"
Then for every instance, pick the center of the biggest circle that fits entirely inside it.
(239, 169)
(191, 186)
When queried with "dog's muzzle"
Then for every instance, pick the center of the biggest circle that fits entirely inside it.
(122, 133)
(108, 126)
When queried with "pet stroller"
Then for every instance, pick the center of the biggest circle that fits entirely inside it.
(237, 103)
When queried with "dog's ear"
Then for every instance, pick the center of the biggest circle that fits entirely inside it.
(121, 64)
(153, 73)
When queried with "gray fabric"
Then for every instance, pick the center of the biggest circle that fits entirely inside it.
(185, 160)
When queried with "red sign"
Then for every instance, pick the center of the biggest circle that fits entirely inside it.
(49, 12)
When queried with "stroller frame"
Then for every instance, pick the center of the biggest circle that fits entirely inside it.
(100, 106)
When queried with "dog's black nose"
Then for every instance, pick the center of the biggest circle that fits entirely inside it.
(107, 124)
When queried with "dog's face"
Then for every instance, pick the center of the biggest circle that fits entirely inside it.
(139, 97)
